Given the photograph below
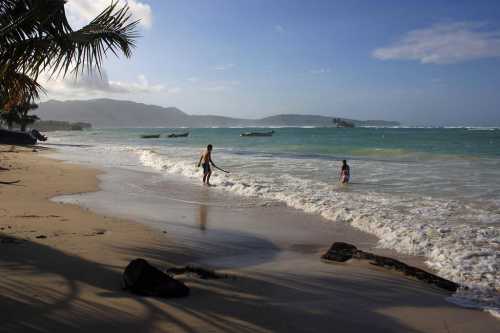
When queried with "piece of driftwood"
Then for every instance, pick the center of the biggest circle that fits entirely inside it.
(341, 252)
(10, 182)
(203, 273)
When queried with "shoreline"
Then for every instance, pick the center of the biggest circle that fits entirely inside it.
(290, 290)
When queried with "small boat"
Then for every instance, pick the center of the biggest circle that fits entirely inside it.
(150, 136)
(9, 137)
(177, 135)
(257, 133)
(341, 123)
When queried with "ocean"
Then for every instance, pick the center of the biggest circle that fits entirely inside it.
(432, 192)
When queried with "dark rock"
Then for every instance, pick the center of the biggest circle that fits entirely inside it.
(41, 237)
(203, 273)
(341, 252)
(37, 135)
(415, 272)
(143, 279)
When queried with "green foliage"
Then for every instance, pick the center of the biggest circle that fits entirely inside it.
(9, 118)
(19, 115)
(26, 119)
(55, 125)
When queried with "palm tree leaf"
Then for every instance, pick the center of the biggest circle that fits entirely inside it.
(22, 18)
(17, 89)
(63, 50)
(35, 36)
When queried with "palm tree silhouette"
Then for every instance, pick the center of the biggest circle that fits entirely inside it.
(35, 37)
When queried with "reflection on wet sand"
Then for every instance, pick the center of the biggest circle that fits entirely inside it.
(202, 217)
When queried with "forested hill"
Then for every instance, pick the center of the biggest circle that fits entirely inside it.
(116, 113)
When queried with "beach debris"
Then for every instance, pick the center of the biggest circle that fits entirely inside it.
(143, 279)
(41, 237)
(341, 252)
(202, 273)
(10, 182)
(97, 233)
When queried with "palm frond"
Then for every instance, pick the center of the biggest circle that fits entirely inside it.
(35, 36)
(60, 50)
(20, 19)
(111, 31)
(17, 88)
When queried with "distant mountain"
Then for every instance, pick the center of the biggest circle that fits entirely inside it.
(116, 113)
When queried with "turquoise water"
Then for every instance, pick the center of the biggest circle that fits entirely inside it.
(333, 142)
(433, 192)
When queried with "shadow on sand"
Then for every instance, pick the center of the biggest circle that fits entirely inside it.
(253, 302)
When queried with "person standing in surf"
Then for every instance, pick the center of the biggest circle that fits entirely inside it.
(345, 173)
(205, 161)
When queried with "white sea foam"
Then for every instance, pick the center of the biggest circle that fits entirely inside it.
(459, 237)
(454, 239)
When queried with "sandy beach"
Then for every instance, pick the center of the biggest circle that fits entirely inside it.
(61, 264)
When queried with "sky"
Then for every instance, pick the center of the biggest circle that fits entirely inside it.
(418, 62)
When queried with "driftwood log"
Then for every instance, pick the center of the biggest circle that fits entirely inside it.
(202, 273)
(341, 252)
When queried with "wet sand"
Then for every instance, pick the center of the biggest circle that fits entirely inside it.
(70, 280)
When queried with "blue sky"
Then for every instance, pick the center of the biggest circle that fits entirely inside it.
(419, 62)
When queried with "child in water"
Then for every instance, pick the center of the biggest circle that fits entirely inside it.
(344, 173)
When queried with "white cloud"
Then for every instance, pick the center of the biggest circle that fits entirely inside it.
(223, 67)
(320, 71)
(81, 12)
(94, 84)
(279, 28)
(445, 43)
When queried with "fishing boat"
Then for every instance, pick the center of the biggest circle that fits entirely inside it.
(342, 123)
(150, 136)
(9, 137)
(270, 133)
(177, 135)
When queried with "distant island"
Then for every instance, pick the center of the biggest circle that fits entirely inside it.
(55, 125)
(109, 113)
